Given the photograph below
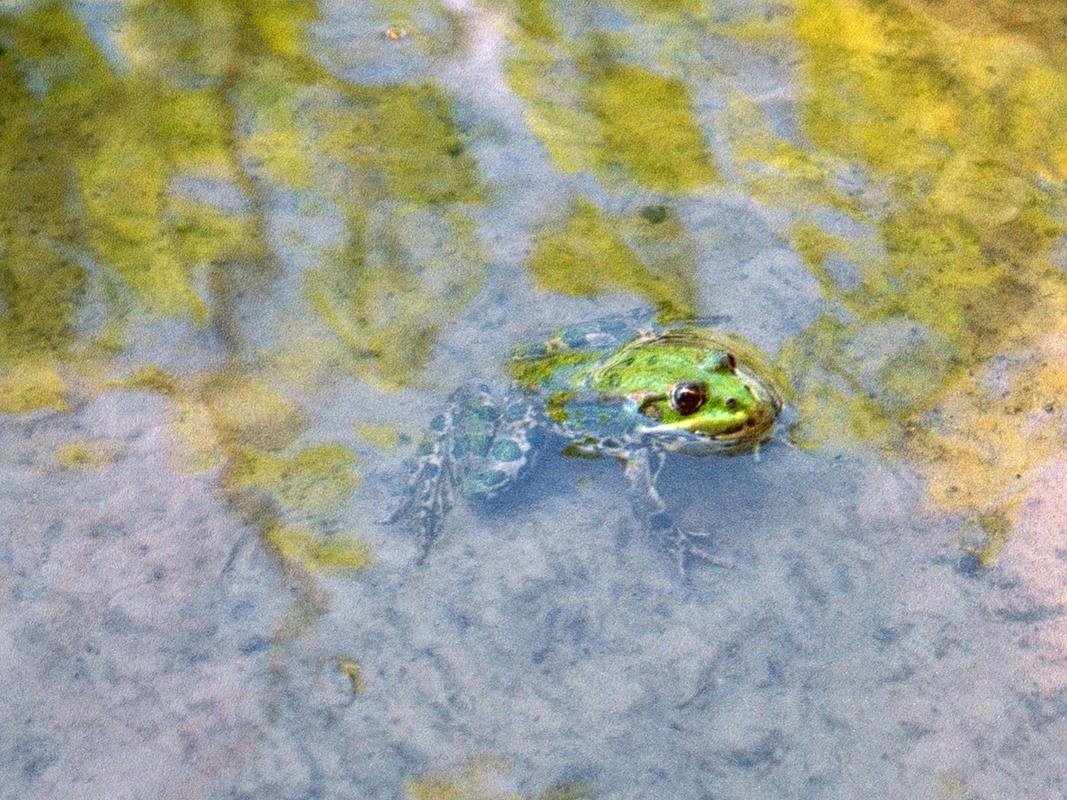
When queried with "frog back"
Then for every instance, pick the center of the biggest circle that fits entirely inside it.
(568, 356)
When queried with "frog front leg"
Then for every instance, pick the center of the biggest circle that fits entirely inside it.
(642, 469)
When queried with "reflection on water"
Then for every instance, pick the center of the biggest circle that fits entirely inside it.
(965, 131)
(295, 225)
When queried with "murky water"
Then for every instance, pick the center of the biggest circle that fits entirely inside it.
(248, 249)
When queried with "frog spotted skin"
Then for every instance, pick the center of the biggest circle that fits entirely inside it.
(624, 387)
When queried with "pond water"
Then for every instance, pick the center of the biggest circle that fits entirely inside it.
(247, 251)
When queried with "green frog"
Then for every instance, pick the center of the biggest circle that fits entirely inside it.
(625, 387)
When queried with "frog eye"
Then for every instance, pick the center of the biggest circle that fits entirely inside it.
(687, 398)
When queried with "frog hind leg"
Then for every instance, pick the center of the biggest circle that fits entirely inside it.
(642, 472)
(467, 423)
(477, 448)
(510, 453)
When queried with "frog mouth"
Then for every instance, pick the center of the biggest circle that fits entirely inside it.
(743, 434)
(750, 431)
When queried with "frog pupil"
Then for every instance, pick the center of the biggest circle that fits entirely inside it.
(687, 398)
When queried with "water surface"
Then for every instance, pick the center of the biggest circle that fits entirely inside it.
(248, 249)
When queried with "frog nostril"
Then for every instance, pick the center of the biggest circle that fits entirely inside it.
(731, 402)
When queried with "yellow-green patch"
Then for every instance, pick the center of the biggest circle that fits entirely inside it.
(649, 128)
(384, 437)
(315, 480)
(318, 479)
(937, 120)
(586, 255)
(399, 278)
(315, 552)
(31, 386)
(247, 412)
(535, 19)
(82, 455)
(625, 122)
(149, 377)
(353, 671)
(996, 527)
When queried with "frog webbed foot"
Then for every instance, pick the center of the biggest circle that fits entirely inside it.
(642, 472)
(430, 492)
(685, 547)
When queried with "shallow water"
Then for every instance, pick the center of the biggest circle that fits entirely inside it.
(248, 249)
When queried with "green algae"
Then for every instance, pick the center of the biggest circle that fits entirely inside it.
(316, 552)
(86, 164)
(149, 377)
(404, 140)
(40, 284)
(124, 139)
(248, 412)
(948, 127)
(316, 480)
(31, 386)
(587, 254)
(392, 161)
(82, 455)
(482, 780)
(351, 669)
(570, 790)
(535, 19)
(775, 170)
(223, 92)
(383, 437)
(932, 131)
(657, 8)
(649, 128)
(968, 234)
(595, 112)
(401, 277)
(814, 245)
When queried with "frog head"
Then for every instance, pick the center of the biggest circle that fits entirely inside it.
(726, 402)
(700, 387)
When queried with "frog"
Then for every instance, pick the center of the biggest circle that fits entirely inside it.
(627, 387)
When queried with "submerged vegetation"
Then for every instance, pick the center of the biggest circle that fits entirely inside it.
(966, 129)
(591, 252)
(594, 111)
(149, 182)
(189, 163)
(141, 164)
(483, 779)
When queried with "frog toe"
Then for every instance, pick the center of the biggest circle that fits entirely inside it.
(687, 547)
